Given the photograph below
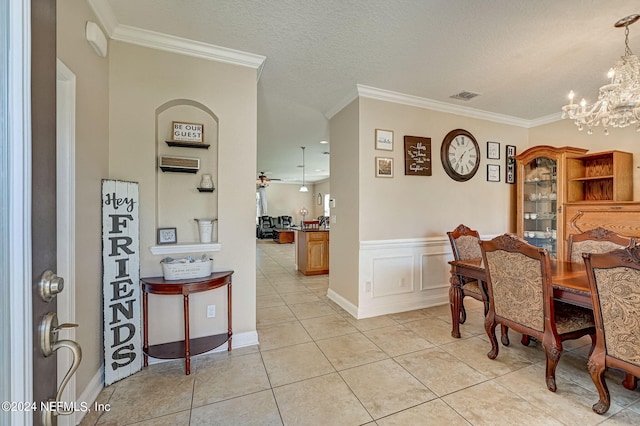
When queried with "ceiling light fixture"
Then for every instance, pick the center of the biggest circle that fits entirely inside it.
(303, 188)
(618, 102)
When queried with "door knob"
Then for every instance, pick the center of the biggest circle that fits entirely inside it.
(50, 284)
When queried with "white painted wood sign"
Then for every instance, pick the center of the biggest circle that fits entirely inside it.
(121, 280)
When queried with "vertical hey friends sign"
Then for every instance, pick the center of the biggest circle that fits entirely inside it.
(121, 280)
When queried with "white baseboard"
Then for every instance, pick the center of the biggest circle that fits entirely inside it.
(343, 303)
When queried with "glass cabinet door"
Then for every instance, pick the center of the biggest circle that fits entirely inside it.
(540, 203)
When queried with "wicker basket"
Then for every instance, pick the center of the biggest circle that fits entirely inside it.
(180, 271)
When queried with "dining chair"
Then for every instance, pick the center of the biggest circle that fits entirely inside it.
(465, 245)
(614, 281)
(597, 240)
(521, 297)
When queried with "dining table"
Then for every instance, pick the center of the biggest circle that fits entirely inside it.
(570, 284)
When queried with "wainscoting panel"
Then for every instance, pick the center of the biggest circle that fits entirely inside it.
(402, 275)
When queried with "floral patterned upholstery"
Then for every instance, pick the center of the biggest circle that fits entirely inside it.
(468, 247)
(591, 246)
(619, 294)
(517, 287)
(473, 287)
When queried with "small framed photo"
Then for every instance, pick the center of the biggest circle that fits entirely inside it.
(182, 131)
(493, 172)
(493, 150)
(384, 167)
(167, 236)
(384, 140)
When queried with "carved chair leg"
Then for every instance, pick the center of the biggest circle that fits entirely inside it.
(597, 370)
(504, 337)
(553, 357)
(490, 328)
(525, 340)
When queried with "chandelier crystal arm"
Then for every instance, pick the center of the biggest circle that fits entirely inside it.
(618, 103)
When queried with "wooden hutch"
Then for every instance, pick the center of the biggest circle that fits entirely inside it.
(563, 191)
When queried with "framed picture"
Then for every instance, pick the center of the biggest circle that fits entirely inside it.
(493, 172)
(167, 236)
(182, 131)
(417, 156)
(384, 140)
(493, 150)
(510, 176)
(384, 167)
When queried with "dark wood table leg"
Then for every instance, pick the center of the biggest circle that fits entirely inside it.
(145, 327)
(455, 301)
(187, 337)
(630, 381)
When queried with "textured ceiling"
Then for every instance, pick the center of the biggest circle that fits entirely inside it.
(522, 56)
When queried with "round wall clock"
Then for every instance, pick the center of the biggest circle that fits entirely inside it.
(460, 155)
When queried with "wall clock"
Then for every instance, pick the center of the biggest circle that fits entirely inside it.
(460, 155)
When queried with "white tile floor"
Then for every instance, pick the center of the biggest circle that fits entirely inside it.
(317, 365)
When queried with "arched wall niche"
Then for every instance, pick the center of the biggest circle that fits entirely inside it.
(178, 201)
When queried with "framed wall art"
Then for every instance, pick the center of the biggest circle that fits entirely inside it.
(417, 156)
(384, 140)
(493, 150)
(493, 172)
(510, 176)
(384, 167)
(182, 131)
(167, 236)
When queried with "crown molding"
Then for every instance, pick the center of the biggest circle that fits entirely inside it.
(401, 98)
(103, 11)
(546, 120)
(168, 43)
(353, 95)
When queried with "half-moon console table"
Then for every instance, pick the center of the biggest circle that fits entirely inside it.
(187, 347)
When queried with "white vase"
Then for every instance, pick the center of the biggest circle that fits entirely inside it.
(206, 181)
(205, 227)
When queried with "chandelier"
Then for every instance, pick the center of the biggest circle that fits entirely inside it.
(618, 102)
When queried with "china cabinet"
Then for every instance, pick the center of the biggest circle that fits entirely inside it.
(541, 193)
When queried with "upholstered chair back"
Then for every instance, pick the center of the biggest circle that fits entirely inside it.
(517, 287)
(465, 243)
(598, 240)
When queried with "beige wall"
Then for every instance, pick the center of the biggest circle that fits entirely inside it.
(141, 81)
(323, 189)
(285, 199)
(345, 170)
(564, 132)
(92, 165)
(428, 206)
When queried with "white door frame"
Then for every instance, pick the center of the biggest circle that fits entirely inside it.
(66, 220)
(19, 209)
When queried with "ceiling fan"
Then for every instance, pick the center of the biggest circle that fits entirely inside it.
(263, 181)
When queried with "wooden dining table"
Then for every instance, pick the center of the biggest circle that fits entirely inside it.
(570, 284)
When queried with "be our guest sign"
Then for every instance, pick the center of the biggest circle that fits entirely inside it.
(187, 132)
(120, 280)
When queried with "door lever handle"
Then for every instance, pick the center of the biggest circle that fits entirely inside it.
(49, 343)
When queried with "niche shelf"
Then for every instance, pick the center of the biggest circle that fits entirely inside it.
(188, 144)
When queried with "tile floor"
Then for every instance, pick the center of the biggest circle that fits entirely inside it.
(317, 365)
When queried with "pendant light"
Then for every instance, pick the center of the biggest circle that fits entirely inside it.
(303, 188)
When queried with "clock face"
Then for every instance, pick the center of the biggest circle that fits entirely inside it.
(460, 155)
